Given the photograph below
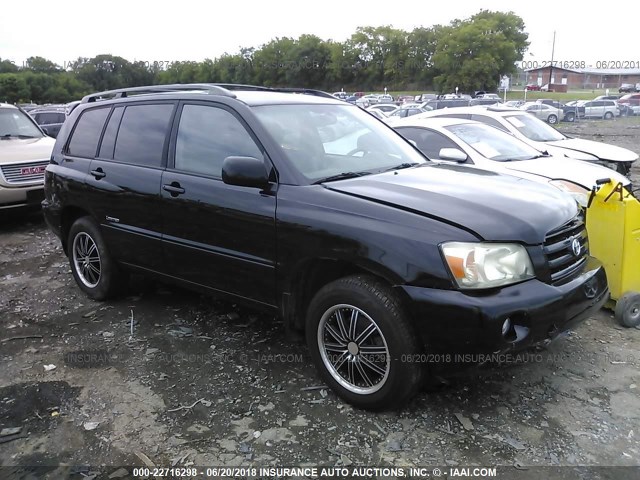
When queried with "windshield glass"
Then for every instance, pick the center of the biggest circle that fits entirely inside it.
(14, 123)
(323, 141)
(534, 128)
(493, 143)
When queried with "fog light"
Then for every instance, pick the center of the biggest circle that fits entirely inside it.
(506, 326)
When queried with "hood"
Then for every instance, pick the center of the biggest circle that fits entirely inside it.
(494, 207)
(562, 168)
(17, 150)
(601, 150)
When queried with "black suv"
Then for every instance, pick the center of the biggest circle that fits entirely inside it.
(308, 207)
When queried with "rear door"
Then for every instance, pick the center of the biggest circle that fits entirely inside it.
(125, 179)
(217, 235)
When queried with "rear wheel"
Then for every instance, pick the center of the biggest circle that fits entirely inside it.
(552, 119)
(608, 116)
(93, 268)
(362, 343)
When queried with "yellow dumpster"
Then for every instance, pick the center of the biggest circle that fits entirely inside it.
(613, 225)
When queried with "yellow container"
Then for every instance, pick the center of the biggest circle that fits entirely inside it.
(613, 225)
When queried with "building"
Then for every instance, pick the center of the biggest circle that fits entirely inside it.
(582, 78)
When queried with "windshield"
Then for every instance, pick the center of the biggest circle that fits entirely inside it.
(14, 123)
(323, 141)
(534, 129)
(493, 143)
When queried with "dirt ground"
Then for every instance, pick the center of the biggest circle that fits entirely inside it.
(195, 381)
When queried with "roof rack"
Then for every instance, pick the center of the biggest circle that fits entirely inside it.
(306, 91)
(178, 87)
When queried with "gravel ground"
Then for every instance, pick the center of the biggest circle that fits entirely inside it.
(198, 381)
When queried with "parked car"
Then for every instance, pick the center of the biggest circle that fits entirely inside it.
(379, 114)
(341, 95)
(383, 107)
(50, 119)
(492, 96)
(408, 110)
(606, 109)
(384, 98)
(544, 137)
(448, 103)
(24, 153)
(484, 100)
(544, 112)
(513, 103)
(632, 101)
(627, 88)
(352, 99)
(309, 208)
(533, 87)
(372, 98)
(473, 143)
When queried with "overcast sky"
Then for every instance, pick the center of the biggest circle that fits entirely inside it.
(188, 30)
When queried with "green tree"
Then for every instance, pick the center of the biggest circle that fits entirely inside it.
(13, 88)
(7, 66)
(41, 65)
(472, 54)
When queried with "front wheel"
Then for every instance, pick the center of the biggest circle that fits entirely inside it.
(608, 116)
(628, 310)
(552, 119)
(362, 343)
(570, 117)
(94, 270)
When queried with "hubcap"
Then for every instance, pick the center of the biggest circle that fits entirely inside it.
(353, 349)
(86, 259)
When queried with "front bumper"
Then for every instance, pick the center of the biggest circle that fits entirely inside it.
(21, 196)
(457, 322)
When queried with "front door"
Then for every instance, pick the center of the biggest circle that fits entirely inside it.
(217, 235)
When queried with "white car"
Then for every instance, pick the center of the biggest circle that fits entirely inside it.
(25, 152)
(383, 107)
(544, 137)
(474, 143)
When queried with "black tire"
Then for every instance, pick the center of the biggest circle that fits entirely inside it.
(628, 310)
(94, 270)
(381, 326)
(570, 117)
(552, 119)
(608, 115)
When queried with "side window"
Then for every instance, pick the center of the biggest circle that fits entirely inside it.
(428, 142)
(110, 133)
(50, 118)
(85, 137)
(489, 121)
(206, 136)
(142, 134)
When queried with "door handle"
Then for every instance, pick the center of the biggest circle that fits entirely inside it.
(98, 173)
(173, 188)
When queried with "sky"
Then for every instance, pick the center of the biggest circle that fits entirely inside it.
(190, 30)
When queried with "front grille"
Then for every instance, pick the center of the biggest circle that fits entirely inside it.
(24, 173)
(559, 250)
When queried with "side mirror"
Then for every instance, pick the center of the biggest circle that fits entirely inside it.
(452, 154)
(46, 131)
(244, 172)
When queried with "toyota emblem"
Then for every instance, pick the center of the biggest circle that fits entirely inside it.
(576, 248)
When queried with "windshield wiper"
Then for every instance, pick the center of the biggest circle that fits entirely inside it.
(11, 135)
(401, 166)
(341, 176)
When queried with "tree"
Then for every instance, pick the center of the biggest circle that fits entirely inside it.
(41, 65)
(7, 66)
(13, 88)
(472, 54)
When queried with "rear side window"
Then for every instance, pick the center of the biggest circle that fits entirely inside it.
(142, 134)
(50, 118)
(85, 137)
(206, 136)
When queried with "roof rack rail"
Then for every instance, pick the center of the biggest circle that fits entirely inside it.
(177, 87)
(307, 91)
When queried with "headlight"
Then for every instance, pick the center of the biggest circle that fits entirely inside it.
(485, 265)
(578, 192)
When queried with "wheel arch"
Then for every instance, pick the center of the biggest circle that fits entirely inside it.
(69, 215)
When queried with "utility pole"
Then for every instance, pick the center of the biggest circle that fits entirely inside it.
(553, 49)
